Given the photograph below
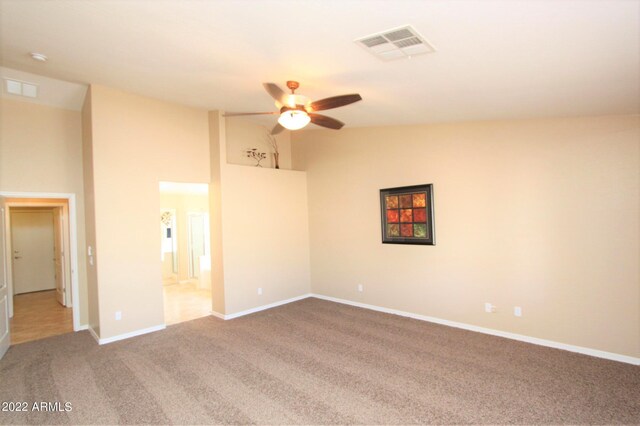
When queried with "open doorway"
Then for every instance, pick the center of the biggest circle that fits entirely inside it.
(39, 264)
(184, 251)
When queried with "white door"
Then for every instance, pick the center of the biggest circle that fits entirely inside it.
(5, 338)
(59, 255)
(32, 242)
(196, 243)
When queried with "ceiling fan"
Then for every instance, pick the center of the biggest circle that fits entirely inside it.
(296, 111)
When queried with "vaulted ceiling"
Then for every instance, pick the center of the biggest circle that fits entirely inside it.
(505, 59)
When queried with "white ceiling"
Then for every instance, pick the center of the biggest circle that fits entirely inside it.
(494, 59)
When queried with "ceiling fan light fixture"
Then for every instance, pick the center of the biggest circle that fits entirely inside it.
(294, 119)
(38, 57)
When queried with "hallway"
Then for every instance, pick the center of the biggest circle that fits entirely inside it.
(185, 302)
(38, 315)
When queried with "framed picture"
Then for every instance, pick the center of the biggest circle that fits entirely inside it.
(407, 215)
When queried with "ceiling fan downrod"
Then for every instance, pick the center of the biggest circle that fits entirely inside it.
(293, 85)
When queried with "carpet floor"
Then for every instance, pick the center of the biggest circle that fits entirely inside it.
(313, 362)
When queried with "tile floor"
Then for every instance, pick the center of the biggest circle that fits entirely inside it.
(184, 302)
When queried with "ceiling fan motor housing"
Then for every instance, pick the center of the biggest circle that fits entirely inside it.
(293, 85)
(295, 102)
(298, 107)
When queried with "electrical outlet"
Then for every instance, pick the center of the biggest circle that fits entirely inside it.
(488, 307)
(118, 315)
(517, 311)
(360, 288)
(259, 291)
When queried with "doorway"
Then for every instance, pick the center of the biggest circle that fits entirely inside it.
(33, 244)
(41, 264)
(185, 254)
(38, 264)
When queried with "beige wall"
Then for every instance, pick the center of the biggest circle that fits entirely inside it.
(137, 142)
(259, 225)
(127, 144)
(41, 151)
(242, 134)
(265, 236)
(90, 222)
(217, 163)
(542, 214)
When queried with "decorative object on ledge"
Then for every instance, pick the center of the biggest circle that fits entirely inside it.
(274, 144)
(256, 155)
(407, 215)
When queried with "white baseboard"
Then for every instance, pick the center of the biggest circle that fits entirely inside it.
(94, 334)
(82, 327)
(259, 308)
(217, 314)
(520, 337)
(125, 335)
(536, 341)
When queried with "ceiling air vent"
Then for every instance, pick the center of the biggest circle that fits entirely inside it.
(21, 88)
(396, 43)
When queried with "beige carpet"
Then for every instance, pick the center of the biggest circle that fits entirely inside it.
(315, 362)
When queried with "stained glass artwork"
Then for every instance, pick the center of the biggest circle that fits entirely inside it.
(419, 200)
(392, 201)
(419, 215)
(420, 230)
(406, 201)
(392, 216)
(407, 215)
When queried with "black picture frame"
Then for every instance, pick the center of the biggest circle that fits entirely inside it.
(406, 214)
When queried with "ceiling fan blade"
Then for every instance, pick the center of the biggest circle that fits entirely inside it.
(236, 114)
(276, 92)
(277, 129)
(324, 121)
(335, 102)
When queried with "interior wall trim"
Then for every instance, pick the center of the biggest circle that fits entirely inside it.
(259, 308)
(73, 246)
(125, 335)
(217, 315)
(513, 336)
(520, 337)
(93, 334)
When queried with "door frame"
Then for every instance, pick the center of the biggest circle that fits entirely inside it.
(5, 339)
(57, 237)
(73, 244)
(205, 232)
